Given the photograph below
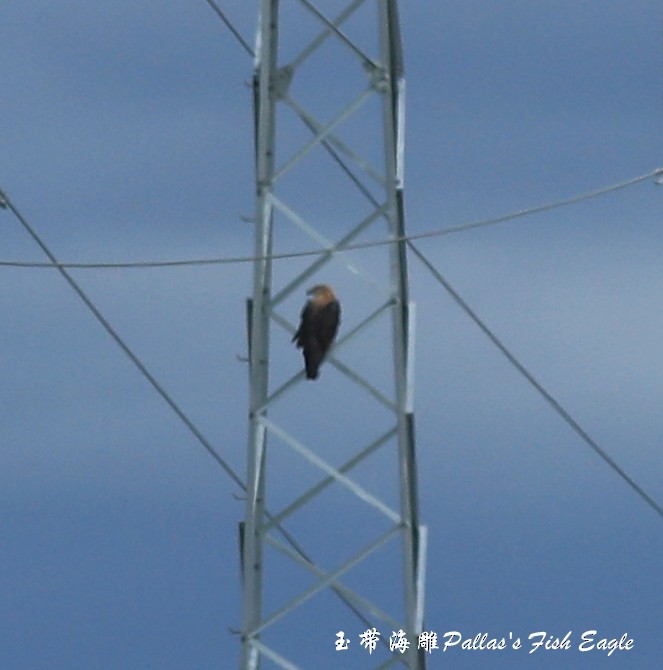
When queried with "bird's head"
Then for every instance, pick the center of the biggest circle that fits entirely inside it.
(321, 292)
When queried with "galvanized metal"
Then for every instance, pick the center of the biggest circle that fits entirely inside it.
(273, 83)
(252, 538)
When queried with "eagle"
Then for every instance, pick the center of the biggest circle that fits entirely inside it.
(319, 322)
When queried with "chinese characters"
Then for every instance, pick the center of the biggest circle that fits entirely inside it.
(398, 641)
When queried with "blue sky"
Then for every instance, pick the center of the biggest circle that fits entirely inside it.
(127, 135)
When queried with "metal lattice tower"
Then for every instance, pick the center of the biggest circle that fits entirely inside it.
(360, 145)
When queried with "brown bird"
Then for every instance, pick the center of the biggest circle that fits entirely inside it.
(319, 322)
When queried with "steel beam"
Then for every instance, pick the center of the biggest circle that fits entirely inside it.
(273, 90)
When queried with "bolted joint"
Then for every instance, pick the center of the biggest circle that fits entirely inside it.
(282, 80)
(378, 76)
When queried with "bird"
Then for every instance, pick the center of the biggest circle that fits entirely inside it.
(320, 318)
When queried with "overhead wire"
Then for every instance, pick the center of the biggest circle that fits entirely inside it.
(559, 409)
(538, 386)
(235, 260)
(6, 203)
(293, 543)
(134, 358)
(62, 268)
(240, 40)
(409, 239)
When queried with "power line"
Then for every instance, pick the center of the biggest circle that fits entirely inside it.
(547, 396)
(62, 268)
(558, 408)
(5, 203)
(519, 366)
(87, 301)
(219, 12)
(235, 260)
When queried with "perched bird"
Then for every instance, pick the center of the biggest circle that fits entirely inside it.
(319, 322)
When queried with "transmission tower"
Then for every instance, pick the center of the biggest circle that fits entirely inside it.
(329, 142)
